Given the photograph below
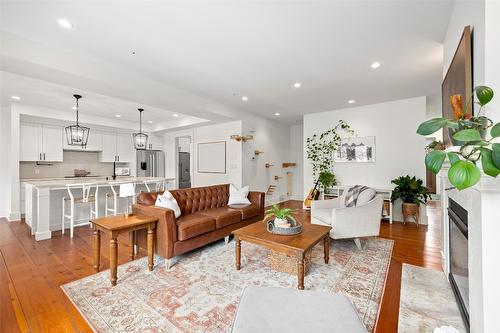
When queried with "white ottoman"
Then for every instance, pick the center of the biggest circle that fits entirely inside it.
(276, 310)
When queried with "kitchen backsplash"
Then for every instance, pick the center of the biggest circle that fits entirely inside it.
(72, 160)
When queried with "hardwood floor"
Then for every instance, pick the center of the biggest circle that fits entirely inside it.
(31, 272)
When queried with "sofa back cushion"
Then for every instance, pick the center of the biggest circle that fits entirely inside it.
(192, 200)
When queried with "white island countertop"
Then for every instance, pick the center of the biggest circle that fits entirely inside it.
(55, 184)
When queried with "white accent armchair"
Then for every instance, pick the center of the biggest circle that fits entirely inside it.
(348, 222)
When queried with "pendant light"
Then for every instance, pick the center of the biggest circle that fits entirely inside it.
(77, 135)
(140, 139)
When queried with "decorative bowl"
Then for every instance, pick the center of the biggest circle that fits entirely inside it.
(287, 231)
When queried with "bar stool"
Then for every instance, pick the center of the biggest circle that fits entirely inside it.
(156, 185)
(113, 197)
(86, 198)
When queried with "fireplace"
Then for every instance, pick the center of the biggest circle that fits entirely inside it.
(459, 257)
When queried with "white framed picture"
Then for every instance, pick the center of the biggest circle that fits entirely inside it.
(212, 157)
(356, 149)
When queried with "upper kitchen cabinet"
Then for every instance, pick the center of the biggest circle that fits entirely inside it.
(117, 148)
(155, 142)
(40, 143)
(94, 143)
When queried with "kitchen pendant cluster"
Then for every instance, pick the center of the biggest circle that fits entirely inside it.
(77, 135)
(140, 139)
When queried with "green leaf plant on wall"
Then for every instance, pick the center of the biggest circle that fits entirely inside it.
(320, 148)
(471, 134)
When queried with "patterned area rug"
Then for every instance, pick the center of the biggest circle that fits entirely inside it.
(200, 293)
(427, 301)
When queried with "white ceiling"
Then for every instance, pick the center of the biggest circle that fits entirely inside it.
(199, 58)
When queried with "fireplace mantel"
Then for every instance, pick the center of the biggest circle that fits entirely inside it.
(483, 205)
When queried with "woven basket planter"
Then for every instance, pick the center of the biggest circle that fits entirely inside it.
(282, 263)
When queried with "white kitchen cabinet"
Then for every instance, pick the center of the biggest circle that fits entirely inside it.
(117, 148)
(94, 142)
(29, 145)
(41, 143)
(125, 147)
(108, 153)
(155, 142)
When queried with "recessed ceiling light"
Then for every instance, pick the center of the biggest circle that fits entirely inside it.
(297, 84)
(244, 98)
(15, 98)
(351, 101)
(64, 23)
(118, 115)
(175, 115)
(277, 114)
(375, 65)
(150, 121)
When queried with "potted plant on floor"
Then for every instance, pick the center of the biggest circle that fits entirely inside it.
(281, 221)
(470, 134)
(411, 191)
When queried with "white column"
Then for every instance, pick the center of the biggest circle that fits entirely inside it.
(43, 214)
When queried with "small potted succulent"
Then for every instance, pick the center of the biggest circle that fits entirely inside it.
(281, 221)
(411, 191)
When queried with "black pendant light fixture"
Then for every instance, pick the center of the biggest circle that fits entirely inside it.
(77, 135)
(140, 139)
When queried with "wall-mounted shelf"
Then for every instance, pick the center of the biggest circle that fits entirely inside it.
(289, 165)
(268, 165)
(257, 152)
(277, 177)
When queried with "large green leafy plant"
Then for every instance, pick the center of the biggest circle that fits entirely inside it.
(472, 133)
(320, 147)
(326, 179)
(410, 190)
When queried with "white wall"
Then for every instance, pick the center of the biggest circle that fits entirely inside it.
(274, 140)
(218, 132)
(297, 156)
(399, 150)
(492, 56)
(466, 13)
(5, 161)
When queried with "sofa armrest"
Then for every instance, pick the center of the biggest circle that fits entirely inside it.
(166, 228)
(258, 198)
(324, 204)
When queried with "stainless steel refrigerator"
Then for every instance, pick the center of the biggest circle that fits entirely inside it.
(150, 163)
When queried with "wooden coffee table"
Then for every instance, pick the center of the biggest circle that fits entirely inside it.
(115, 225)
(296, 246)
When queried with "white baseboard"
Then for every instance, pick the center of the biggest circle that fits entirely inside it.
(14, 216)
(43, 235)
(4, 214)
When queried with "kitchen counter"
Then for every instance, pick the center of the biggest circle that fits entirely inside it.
(44, 199)
(61, 183)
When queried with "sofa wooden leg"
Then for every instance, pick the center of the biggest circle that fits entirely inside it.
(358, 243)
(226, 239)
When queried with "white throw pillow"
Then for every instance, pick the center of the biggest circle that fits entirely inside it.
(167, 200)
(238, 196)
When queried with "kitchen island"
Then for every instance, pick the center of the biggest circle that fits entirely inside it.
(43, 199)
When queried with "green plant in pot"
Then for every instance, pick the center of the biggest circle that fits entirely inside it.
(327, 179)
(283, 217)
(472, 134)
(411, 191)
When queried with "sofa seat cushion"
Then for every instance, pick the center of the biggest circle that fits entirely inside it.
(223, 216)
(247, 211)
(192, 225)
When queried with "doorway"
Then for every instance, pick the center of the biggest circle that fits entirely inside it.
(184, 161)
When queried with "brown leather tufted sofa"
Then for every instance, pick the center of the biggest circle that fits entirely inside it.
(205, 217)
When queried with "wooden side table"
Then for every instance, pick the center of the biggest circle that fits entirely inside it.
(115, 225)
